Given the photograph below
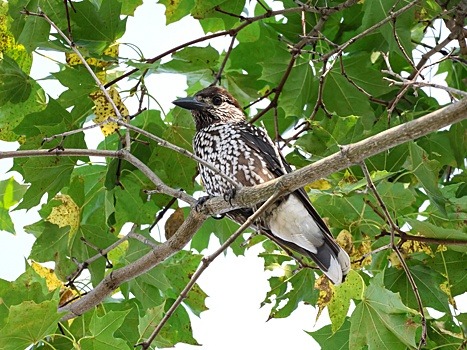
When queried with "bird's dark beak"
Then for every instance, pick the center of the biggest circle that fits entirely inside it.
(189, 103)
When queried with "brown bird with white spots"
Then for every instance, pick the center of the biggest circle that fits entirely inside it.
(245, 153)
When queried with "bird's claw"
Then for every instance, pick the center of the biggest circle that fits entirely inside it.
(229, 195)
(200, 202)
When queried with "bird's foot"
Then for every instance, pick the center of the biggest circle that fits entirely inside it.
(200, 202)
(229, 195)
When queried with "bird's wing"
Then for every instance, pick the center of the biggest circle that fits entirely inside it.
(262, 145)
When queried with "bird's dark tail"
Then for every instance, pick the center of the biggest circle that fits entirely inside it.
(332, 260)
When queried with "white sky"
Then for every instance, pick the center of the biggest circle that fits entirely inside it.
(236, 285)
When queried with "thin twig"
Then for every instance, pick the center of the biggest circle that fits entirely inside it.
(260, 2)
(205, 264)
(224, 62)
(338, 50)
(418, 84)
(359, 88)
(161, 213)
(102, 252)
(394, 247)
(399, 44)
(404, 236)
(142, 239)
(72, 132)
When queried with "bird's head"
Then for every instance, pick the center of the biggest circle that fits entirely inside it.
(212, 105)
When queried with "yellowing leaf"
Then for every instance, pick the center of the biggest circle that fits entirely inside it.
(112, 51)
(52, 281)
(66, 214)
(320, 184)
(118, 252)
(265, 90)
(348, 178)
(8, 45)
(326, 292)
(358, 256)
(103, 110)
(49, 275)
(407, 248)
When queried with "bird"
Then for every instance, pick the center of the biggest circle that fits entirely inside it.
(245, 153)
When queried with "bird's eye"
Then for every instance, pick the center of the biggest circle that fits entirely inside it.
(216, 100)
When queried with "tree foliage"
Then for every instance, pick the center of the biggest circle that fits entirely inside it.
(327, 74)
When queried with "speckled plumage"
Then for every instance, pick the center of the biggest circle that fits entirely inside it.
(245, 153)
(225, 146)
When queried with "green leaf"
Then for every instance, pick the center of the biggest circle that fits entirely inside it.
(29, 286)
(15, 85)
(129, 332)
(376, 11)
(428, 283)
(329, 133)
(342, 98)
(381, 320)
(344, 212)
(366, 75)
(149, 321)
(328, 339)
(456, 74)
(97, 27)
(297, 89)
(178, 328)
(212, 20)
(458, 140)
(35, 33)
(338, 307)
(176, 10)
(129, 7)
(131, 203)
(46, 175)
(175, 169)
(102, 331)
(444, 333)
(28, 323)
(426, 172)
(11, 114)
(222, 229)
(289, 290)
(451, 265)
(11, 193)
(80, 84)
(396, 196)
(199, 64)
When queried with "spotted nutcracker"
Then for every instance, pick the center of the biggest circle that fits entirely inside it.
(246, 154)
